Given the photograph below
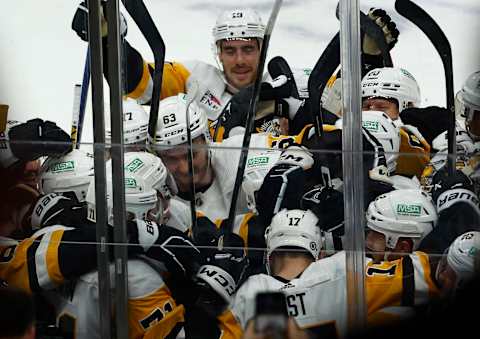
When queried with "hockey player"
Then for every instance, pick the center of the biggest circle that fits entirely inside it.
(237, 38)
(460, 264)
(393, 90)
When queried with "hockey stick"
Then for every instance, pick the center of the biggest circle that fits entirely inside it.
(79, 103)
(437, 37)
(139, 13)
(251, 114)
(326, 64)
(190, 97)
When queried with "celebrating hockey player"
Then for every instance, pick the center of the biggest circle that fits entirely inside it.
(237, 37)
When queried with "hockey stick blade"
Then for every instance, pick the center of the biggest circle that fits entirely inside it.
(437, 37)
(139, 13)
(376, 33)
(251, 114)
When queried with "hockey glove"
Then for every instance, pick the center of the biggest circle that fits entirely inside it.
(56, 209)
(167, 245)
(422, 118)
(80, 21)
(217, 281)
(36, 138)
(327, 204)
(281, 188)
(296, 155)
(451, 189)
(389, 28)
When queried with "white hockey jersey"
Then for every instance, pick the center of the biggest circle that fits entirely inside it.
(314, 299)
(214, 203)
(151, 309)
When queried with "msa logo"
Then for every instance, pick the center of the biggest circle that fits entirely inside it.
(134, 165)
(130, 183)
(371, 126)
(67, 166)
(307, 71)
(407, 74)
(412, 210)
(258, 161)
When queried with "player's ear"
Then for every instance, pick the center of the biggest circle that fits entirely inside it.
(404, 246)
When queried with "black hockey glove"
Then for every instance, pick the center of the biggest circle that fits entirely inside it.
(36, 138)
(56, 209)
(422, 119)
(327, 204)
(389, 28)
(451, 189)
(167, 245)
(217, 281)
(80, 21)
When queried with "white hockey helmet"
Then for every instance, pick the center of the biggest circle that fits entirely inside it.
(172, 122)
(243, 23)
(257, 166)
(69, 173)
(293, 228)
(392, 83)
(407, 213)
(387, 133)
(467, 104)
(461, 257)
(135, 123)
(142, 175)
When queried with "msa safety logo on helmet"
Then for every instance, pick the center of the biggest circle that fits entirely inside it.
(67, 166)
(130, 183)
(410, 210)
(371, 126)
(258, 161)
(134, 165)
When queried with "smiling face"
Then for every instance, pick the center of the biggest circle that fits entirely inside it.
(240, 61)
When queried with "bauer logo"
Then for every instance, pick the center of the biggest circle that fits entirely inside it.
(412, 210)
(134, 165)
(258, 161)
(67, 166)
(130, 183)
(371, 126)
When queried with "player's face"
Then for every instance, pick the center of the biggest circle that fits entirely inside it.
(176, 161)
(375, 244)
(446, 277)
(240, 61)
(378, 104)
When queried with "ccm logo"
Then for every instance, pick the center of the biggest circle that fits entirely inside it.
(219, 278)
(461, 196)
(172, 133)
(370, 84)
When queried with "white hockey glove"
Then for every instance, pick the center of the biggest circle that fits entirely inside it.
(297, 155)
(389, 28)
(80, 22)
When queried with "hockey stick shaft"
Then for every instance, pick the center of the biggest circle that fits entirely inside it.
(251, 114)
(326, 64)
(83, 98)
(190, 98)
(437, 37)
(139, 13)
